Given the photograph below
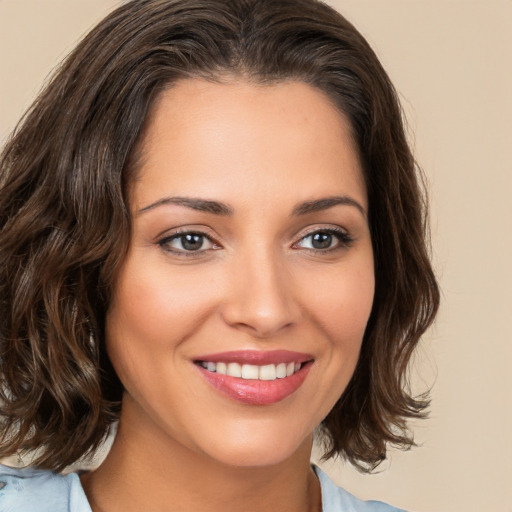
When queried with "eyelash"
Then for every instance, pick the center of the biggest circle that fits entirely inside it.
(165, 242)
(344, 239)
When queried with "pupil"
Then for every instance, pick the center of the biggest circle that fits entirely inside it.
(192, 242)
(322, 240)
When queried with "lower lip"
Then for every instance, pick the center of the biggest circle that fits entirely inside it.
(256, 392)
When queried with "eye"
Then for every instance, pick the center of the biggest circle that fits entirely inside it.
(325, 240)
(188, 242)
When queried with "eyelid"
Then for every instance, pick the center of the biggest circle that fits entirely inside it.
(345, 239)
(165, 239)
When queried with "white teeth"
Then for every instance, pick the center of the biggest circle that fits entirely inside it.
(252, 371)
(281, 370)
(268, 372)
(221, 368)
(234, 370)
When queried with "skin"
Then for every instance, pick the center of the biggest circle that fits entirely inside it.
(257, 283)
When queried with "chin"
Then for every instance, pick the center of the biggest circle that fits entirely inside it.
(260, 450)
(252, 459)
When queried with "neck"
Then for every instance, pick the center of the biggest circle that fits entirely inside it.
(147, 469)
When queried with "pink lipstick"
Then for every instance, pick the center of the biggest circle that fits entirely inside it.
(255, 377)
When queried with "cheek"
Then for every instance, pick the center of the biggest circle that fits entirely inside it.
(339, 310)
(153, 307)
(343, 302)
(153, 313)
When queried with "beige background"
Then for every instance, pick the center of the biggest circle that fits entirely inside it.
(451, 60)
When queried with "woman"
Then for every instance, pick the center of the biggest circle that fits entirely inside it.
(212, 232)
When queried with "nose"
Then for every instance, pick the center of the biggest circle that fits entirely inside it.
(261, 299)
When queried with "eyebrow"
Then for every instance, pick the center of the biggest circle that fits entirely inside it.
(218, 208)
(201, 205)
(326, 203)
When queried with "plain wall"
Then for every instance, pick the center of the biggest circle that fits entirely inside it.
(451, 61)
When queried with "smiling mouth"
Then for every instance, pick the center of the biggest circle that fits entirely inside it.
(252, 371)
(255, 377)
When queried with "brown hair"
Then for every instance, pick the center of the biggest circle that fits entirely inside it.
(65, 224)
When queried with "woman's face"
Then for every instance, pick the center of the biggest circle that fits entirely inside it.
(239, 310)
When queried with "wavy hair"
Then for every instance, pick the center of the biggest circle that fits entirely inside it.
(65, 224)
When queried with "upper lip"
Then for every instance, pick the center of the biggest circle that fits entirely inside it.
(256, 357)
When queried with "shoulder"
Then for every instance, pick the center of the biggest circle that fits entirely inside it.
(33, 490)
(336, 499)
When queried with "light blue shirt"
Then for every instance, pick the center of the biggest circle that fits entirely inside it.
(32, 490)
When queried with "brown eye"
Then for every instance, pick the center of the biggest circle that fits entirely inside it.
(191, 242)
(325, 240)
(321, 240)
(186, 242)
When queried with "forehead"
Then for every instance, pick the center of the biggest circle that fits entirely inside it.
(215, 139)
